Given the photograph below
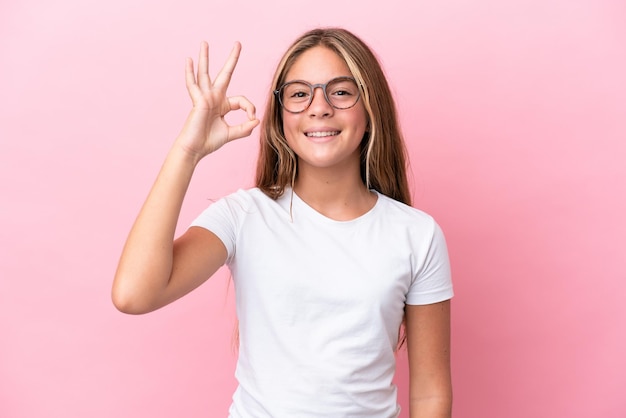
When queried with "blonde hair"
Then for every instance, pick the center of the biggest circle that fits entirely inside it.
(383, 153)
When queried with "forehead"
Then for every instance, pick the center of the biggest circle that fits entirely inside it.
(318, 65)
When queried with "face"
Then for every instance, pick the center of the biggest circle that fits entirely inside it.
(322, 136)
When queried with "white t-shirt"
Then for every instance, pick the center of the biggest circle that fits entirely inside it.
(320, 301)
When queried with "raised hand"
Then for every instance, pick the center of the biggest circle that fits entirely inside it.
(206, 130)
(154, 270)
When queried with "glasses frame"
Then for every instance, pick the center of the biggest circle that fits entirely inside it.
(322, 86)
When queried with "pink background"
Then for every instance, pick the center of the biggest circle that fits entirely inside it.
(515, 117)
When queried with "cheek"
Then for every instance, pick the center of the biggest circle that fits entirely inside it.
(361, 121)
(289, 123)
(290, 128)
(360, 116)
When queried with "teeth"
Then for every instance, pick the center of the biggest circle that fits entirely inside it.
(321, 134)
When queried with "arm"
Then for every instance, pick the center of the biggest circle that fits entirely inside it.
(428, 344)
(154, 269)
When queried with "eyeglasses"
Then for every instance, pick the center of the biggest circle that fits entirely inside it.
(296, 96)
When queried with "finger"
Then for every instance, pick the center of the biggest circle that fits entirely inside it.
(190, 79)
(225, 74)
(241, 102)
(243, 129)
(204, 81)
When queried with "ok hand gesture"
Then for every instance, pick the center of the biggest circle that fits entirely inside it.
(206, 130)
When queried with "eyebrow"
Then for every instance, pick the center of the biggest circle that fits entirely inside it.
(300, 80)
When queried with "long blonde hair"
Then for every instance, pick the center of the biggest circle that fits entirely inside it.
(383, 153)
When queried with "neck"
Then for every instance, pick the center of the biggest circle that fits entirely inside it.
(339, 196)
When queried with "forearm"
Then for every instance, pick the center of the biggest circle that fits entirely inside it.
(428, 343)
(146, 262)
(432, 407)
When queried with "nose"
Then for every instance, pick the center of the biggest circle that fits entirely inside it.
(319, 105)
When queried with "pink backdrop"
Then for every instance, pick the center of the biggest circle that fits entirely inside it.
(515, 116)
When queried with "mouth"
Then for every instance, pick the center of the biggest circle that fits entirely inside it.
(321, 134)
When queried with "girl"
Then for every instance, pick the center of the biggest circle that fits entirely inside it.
(328, 258)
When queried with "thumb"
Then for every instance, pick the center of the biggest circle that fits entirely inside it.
(242, 130)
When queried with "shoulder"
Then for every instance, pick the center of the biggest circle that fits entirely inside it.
(249, 204)
(243, 199)
(227, 216)
(231, 206)
(417, 228)
(400, 213)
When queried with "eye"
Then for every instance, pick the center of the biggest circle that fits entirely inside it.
(342, 93)
(296, 91)
(298, 94)
(343, 88)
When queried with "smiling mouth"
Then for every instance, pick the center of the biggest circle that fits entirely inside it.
(321, 134)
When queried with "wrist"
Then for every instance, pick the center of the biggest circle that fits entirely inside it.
(185, 154)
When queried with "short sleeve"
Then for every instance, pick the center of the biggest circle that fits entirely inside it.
(223, 219)
(432, 281)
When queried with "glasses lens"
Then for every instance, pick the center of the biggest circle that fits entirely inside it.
(342, 92)
(295, 96)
